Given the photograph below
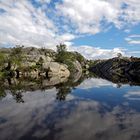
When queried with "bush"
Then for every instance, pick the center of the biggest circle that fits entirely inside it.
(61, 48)
(16, 56)
(65, 57)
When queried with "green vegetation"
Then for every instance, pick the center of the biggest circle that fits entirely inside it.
(68, 58)
(39, 64)
(61, 48)
(2, 58)
(10, 61)
(65, 57)
(16, 57)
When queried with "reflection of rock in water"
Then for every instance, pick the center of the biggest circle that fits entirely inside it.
(77, 75)
(54, 80)
(33, 83)
(63, 84)
(20, 85)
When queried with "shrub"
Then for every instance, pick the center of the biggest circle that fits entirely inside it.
(61, 48)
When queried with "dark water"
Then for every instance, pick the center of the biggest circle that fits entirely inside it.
(94, 109)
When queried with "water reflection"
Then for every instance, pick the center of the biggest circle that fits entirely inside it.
(86, 109)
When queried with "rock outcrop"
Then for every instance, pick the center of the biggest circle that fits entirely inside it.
(118, 70)
(48, 69)
(40, 62)
(36, 62)
(56, 69)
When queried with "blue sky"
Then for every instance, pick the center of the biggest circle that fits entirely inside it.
(95, 28)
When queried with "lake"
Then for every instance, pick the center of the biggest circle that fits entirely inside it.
(93, 109)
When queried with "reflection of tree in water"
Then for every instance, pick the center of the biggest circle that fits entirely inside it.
(119, 85)
(18, 97)
(20, 85)
(65, 88)
(2, 90)
(62, 92)
(17, 86)
(16, 91)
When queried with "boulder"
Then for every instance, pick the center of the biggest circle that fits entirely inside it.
(55, 68)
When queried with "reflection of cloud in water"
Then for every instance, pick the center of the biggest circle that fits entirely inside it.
(20, 118)
(133, 95)
(87, 123)
(42, 116)
(94, 82)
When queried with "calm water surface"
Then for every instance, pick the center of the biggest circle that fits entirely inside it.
(96, 109)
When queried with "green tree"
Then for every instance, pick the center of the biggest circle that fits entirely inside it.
(61, 48)
(68, 58)
(16, 56)
(2, 59)
(40, 62)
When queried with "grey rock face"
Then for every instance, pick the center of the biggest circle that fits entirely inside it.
(49, 68)
(57, 69)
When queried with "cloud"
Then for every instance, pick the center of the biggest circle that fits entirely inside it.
(134, 52)
(133, 95)
(135, 36)
(32, 112)
(134, 42)
(96, 125)
(94, 82)
(91, 52)
(94, 16)
(133, 39)
(23, 23)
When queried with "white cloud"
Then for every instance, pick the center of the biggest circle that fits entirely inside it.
(133, 39)
(91, 16)
(134, 52)
(91, 52)
(135, 36)
(134, 42)
(67, 37)
(37, 104)
(133, 95)
(87, 118)
(94, 82)
(22, 23)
